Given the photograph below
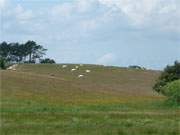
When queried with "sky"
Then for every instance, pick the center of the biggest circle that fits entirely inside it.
(107, 32)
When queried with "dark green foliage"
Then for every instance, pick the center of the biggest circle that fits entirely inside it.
(136, 67)
(47, 60)
(2, 63)
(172, 90)
(15, 52)
(4, 49)
(170, 73)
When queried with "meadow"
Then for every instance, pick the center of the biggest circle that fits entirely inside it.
(44, 99)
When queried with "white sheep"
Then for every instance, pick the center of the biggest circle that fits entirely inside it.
(9, 68)
(80, 76)
(73, 69)
(64, 66)
(13, 67)
(88, 71)
(76, 67)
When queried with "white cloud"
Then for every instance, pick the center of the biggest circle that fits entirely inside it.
(84, 6)
(145, 12)
(22, 15)
(68, 9)
(106, 59)
(136, 10)
(168, 8)
(62, 10)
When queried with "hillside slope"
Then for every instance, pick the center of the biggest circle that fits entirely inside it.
(48, 99)
(61, 85)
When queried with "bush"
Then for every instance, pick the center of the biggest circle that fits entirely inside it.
(172, 90)
(137, 67)
(170, 73)
(47, 60)
(2, 63)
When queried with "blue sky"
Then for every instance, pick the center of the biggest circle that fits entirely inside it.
(109, 32)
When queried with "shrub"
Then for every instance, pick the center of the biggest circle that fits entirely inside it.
(170, 73)
(47, 60)
(2, 63)
(137, 67)
(172, 90)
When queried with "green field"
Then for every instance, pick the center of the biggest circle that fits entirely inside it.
(47, 99)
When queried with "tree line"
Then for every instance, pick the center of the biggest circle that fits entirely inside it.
(25, 52)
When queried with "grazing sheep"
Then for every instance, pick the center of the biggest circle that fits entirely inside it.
(13, 67)
(64, 66)
(77, 67)
(9, 68)
(73, 69)
(80, 76)
(88, 71)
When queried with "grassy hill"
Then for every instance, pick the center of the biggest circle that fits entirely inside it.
(49, 99)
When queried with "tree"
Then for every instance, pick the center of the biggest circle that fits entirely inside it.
(170, 73)
(47, 60)
(172, 91)
(34, 51)
(39, 52)
(30, 48)
(4, 50)
(16, 52)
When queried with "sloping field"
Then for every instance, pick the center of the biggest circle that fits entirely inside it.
(48, 99)
(101, 85)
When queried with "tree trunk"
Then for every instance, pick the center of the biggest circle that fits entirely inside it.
(30, 57)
